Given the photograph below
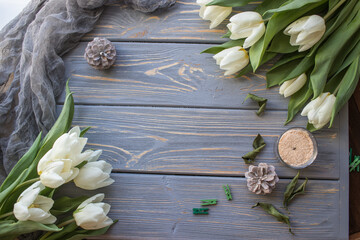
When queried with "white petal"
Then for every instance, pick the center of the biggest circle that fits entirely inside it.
(295, 85)
(96, 198)
(225, 12)
(313, 104)
(75, 130)
(285, 85)
(256, 34)
(296, 26)
(246, 18)
(220, 55)
(21, 212)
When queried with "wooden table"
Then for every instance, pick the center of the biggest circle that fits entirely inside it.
(174, 129)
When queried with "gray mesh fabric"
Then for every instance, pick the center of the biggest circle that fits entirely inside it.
(32, 70)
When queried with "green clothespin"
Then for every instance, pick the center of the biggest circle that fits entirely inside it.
(206, 202)
(198, 211)
(227, 192)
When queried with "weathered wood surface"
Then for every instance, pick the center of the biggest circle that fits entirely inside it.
(197, 141)
(167, 110)
(165, 74)
(180, 23)
(160, 207)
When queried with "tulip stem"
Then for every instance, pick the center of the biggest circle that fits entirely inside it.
(331, 11)
(66, 223)
(336, 90)
(59, 226)
(6, 215)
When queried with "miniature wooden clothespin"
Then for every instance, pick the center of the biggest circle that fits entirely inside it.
(206, 202)
(227, 192)
(198, 211)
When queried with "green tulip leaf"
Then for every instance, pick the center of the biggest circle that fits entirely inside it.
(227, 35)
(347, 87)
(293, 5)
(311, 127)
(280, 70)
(277, 22)
(270, 209)
(10, 229)
(82, 133)
(281, 44)
(332, 3)
(81, 234)
(68, 229)
(258, 145)
(268, 4)
(229, 3)
(219, 48)
(260, 100)
(21, 165)
(64, 205)
(304, 66)
(4, 195)
(267, 57)
(298, 101)
(330, 50)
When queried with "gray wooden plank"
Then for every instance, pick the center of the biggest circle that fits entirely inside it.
(160, 207)
(344, 171)
(180, 23)
(197, 141)
(166, 74)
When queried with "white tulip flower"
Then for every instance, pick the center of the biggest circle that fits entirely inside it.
(290, 87)
(58, 165)
(306, 31)
(34, 207)
(249, 25)
(91, 214)
(216, 14)
(319, 110)
(94, 175)
(232, 59)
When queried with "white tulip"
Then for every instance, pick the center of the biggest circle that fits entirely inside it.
(249, 25)
(319, 110)
(216, 14)
(306, 31)
(94, 175)
(290, 87)
(91, 214)
(232, 59)
(58, 165)
(34, 207)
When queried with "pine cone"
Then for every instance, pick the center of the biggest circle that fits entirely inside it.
(100, 53)
(261, 179)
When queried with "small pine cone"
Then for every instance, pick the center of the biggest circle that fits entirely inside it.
(100, 53)
(261, 179)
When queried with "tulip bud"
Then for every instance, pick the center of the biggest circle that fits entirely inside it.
(249, 25)
(216, 14)
(306, 31)
(34, 207)
(94, 175)
(290, 87)
(232, 59)
(58, 165)
(91, 214)
(319, 110)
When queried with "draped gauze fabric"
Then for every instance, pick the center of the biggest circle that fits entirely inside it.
(32, 72)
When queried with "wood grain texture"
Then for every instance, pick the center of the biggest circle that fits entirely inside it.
(180, 23)
(160, 207)
(197, 141)
(166, 74)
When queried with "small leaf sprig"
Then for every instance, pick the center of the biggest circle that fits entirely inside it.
(258, 145)
(270, 209)
(291, 192)
(260, 100)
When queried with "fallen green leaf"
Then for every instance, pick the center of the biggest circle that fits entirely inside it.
(260, 100)
(219, 48)
(270, 209)
(258, 145)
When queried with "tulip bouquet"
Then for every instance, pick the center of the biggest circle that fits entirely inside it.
(318, 42)
(26, 195)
